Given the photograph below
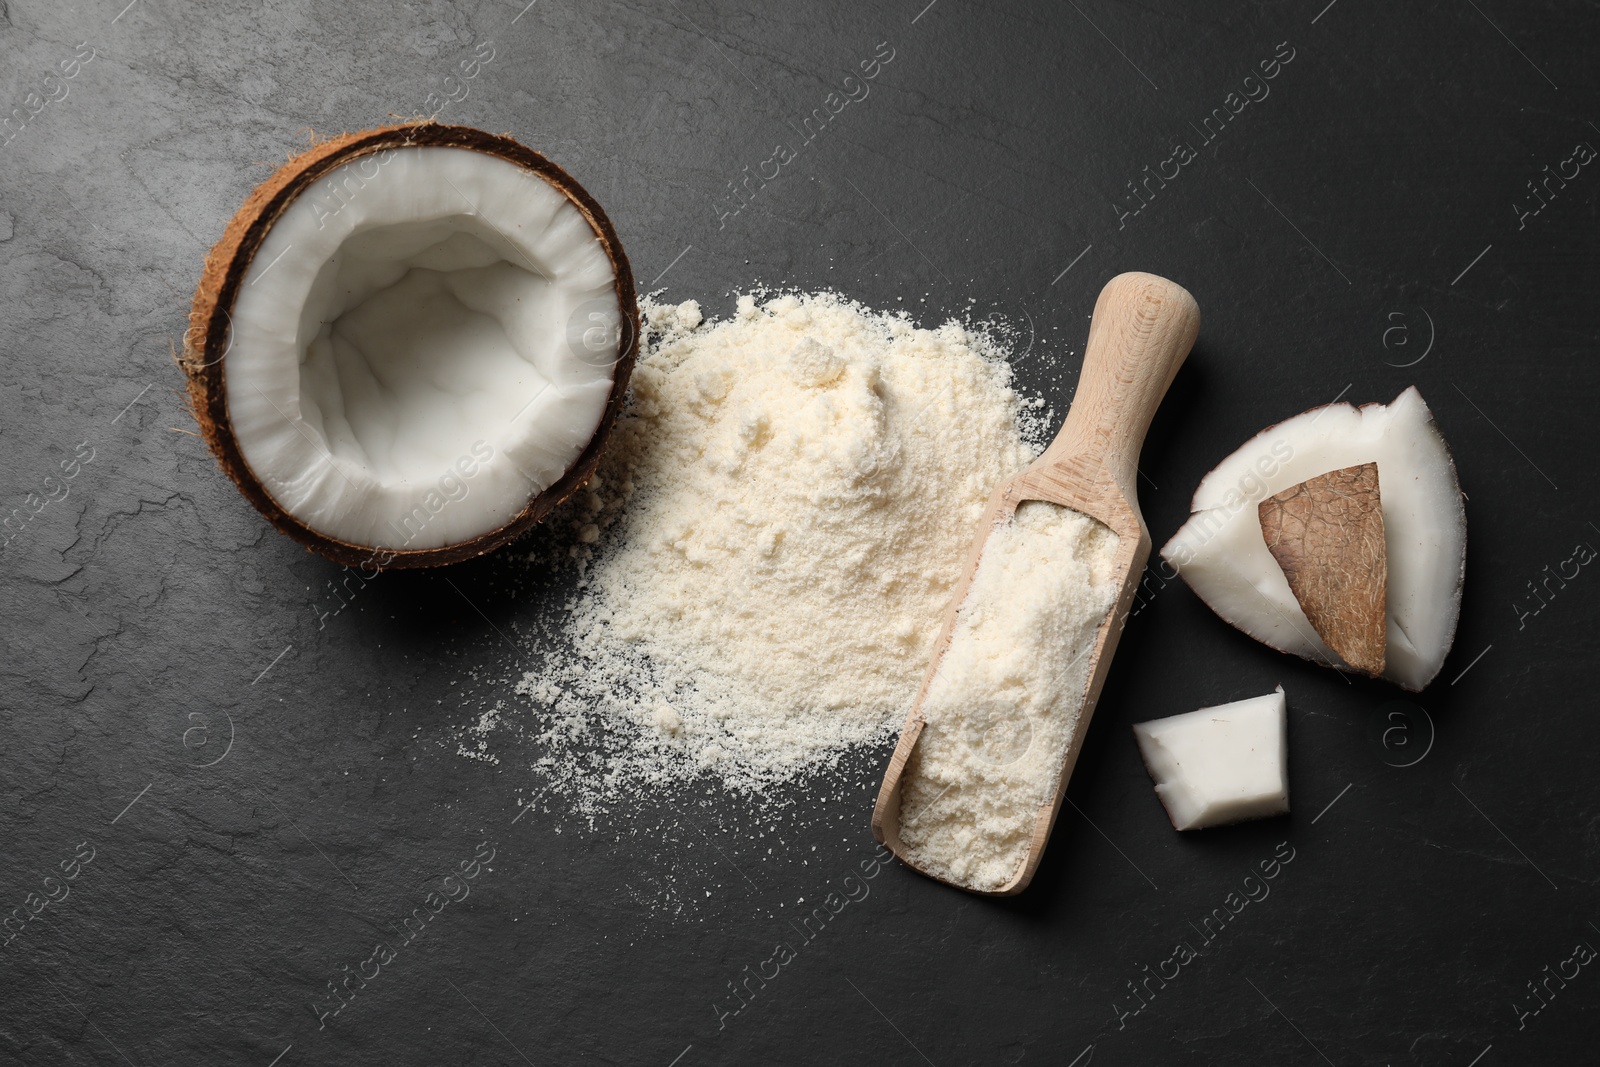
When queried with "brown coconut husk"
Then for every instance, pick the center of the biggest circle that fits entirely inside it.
(1327, 535)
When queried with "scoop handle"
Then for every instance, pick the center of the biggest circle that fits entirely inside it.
(1142, 330)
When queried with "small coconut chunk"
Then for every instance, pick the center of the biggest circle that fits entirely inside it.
(1220, 765)
(1327, 535)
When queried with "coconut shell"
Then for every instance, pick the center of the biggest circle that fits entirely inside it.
(1327, 535)
(205, 342)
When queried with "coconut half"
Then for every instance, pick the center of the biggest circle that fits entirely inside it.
(411, 342)
(1223, 554)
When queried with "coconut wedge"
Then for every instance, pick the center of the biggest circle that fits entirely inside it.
(410, 343)
(1328, 541)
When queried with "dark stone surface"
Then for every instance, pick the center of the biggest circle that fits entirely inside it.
(153, 620)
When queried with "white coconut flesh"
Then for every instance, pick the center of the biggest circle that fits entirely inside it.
(1223, 556)
(423, 342)
(1220, 765)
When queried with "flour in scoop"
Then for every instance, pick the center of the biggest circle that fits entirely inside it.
(1003, 704)
(777, 527)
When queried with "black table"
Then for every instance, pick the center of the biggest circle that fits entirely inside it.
(254, 779)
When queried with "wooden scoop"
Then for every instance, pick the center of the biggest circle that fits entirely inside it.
(1142, 329)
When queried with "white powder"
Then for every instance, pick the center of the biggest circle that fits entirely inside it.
(1008, 692)
(770, 544)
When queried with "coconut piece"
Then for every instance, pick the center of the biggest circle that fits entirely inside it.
(1220, 765)
(1222, 555)
(410, 343)
(1327, 535)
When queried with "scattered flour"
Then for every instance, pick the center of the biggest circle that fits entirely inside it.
(1002, 706)
(770, 543)
(474, 744)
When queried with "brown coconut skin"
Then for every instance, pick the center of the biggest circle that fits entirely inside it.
(205, 342)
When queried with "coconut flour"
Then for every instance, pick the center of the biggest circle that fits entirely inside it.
(1003, 704)
(770, 543)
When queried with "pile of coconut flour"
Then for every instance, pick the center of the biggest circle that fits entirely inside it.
(1004, 704)
(770, 543)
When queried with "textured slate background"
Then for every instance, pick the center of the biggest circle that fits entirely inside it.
(266, 790)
